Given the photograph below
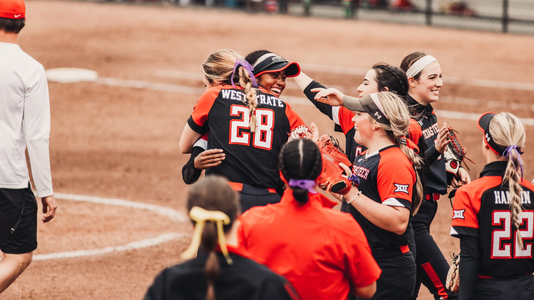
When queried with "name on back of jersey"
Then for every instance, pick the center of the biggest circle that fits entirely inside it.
(503, 197)
(262, 99)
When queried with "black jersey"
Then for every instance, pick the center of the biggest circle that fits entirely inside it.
(245, 279)
(386, 177)
(251, 158)
(481, 209)
(342, 117)
(424, 132)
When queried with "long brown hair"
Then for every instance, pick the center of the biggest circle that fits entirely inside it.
(214, 194)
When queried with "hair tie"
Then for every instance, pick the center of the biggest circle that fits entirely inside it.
(506, 154)
(248, 68)
(402, 141)
(305, 184)
(200, 216)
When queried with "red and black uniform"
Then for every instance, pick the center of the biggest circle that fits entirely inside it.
(492, 265)
(245, 279)
(387, 177)
(251, 163)
(322, 252)
(341, 116)
(432, 267)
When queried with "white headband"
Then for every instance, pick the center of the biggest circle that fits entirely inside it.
(374, 97)
(419, 65)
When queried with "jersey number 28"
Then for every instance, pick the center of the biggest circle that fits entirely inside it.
(500, 236)
(262, 137)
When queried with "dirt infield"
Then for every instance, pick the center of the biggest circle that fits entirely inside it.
(122, 142)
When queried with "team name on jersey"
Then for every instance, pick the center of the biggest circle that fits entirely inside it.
(262, 99)
(502, 197)
(360, 171)
(431, 131)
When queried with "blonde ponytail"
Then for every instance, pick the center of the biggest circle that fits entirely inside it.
(227, 66)
(246, 82)
(399, 118)
(508, 132)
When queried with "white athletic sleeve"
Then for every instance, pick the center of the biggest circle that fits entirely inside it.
(37, 130)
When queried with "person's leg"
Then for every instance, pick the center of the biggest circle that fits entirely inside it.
(18, 233)
(11, 266)
(432, 267)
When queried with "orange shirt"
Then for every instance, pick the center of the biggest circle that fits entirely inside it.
(322, 252)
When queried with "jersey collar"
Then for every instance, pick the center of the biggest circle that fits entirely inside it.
(496, 168)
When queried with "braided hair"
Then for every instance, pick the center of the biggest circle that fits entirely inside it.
(391, 77)
(507, 130)
(213, 193)
(300, 159)
(219, 66)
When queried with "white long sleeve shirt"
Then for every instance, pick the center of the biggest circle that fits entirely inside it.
(24, 121)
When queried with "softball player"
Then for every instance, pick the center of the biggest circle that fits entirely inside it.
(424, 78)
(381, 77)
(272, 78)
(322, 267)
(219, 271)
(494, 218)
(388, 192)
(250, 126)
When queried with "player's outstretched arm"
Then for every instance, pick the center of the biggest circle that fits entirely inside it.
(303, 81)
(49, 208)
(330, 96)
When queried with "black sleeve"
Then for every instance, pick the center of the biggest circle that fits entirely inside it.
(469, 265)
(323, 107)
(431, 155)
(190, 174)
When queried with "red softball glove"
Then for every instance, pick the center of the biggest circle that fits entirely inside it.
(333, 177)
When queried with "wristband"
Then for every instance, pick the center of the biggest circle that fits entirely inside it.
(350, 201)
(354, 179)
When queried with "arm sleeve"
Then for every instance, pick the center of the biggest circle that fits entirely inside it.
(431, 155)
(465, 215)
(395, 181)
(323, 107)
(190, 174)
(341, 116)
(37, 131)
(199, 118)
(469, 266)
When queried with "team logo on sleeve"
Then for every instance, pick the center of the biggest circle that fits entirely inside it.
(459, 214)
(401, 188)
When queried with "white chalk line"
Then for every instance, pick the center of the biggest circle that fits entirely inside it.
(304, 101)
(165, 237)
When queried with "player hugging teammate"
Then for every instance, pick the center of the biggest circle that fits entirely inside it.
(398, 172)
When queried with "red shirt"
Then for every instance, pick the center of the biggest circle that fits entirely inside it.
(322, 252)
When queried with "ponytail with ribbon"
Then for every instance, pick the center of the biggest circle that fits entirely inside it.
(200, 216)
(248, 67)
